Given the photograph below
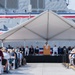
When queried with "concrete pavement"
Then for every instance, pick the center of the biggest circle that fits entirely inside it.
(42, 69)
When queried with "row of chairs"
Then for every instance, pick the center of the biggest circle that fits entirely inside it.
(8, 68)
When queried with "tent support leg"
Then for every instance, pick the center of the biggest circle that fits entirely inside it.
(47, 41)
(24, 43)
(2, 44)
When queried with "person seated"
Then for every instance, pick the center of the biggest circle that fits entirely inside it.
(22, 49)
(9, 47)
(21, 57)
(18, 57)
(13, 57)
(4, 61)
(72, 56)
(6, 56)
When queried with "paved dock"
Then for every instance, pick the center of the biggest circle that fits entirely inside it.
(42, 69)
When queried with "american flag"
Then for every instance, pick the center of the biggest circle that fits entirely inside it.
(41, 51)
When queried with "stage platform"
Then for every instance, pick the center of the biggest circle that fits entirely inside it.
(44, 59)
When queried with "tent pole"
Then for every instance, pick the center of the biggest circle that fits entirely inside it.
(24, 43)
(47, 25)
(47, 40)
(2, 44)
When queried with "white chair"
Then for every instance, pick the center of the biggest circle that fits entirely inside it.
(13, 62)
(8, 65)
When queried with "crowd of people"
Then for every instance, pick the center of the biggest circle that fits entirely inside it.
(14, 58)
(11, 59)
(66, 51)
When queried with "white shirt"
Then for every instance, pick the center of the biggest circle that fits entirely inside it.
(26, 51)
(6, 55)
(55, 49)
(73, 50)
(21, 56)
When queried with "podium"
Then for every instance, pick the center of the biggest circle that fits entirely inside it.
(46, 50)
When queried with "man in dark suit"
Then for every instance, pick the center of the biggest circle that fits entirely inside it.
(31, 50)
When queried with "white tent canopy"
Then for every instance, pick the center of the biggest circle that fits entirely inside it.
(46, 26)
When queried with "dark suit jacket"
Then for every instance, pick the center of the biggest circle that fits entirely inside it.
(31, 50)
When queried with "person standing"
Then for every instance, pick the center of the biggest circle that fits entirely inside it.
(26, 51)
(55, 50)
(37, 50)
(46, 49)
(60, 50)
(31, 50)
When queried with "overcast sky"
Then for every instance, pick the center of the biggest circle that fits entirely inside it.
(71, 4)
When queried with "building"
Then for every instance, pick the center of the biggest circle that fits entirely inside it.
(15, 12)
(24, 6)
(18, 11)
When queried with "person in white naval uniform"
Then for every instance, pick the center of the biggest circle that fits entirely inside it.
(55, 50)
